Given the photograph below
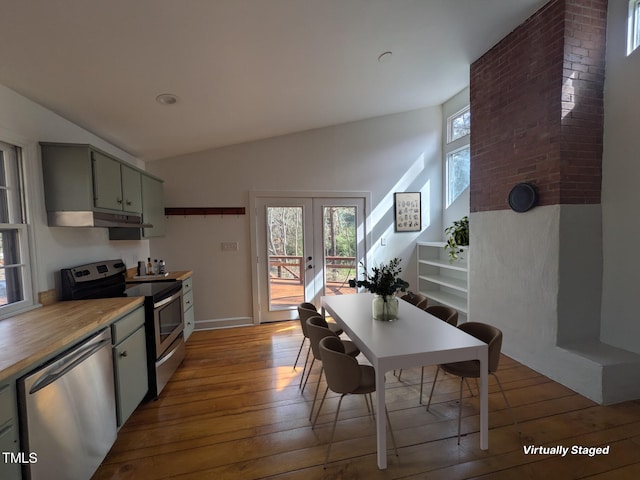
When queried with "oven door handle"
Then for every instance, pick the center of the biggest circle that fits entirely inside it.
(167, 300)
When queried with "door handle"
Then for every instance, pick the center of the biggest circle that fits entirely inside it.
(309, 267)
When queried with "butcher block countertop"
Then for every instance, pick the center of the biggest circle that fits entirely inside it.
(29, 338)
(178, 275)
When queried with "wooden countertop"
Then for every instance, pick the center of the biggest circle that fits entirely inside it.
(27, 339)
(177, 275)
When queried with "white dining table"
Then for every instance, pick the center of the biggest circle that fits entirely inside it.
(416, 338)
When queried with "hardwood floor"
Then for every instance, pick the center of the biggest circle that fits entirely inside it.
(233, 410)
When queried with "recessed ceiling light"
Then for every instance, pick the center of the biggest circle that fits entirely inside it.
(167, 99)
(385, 57)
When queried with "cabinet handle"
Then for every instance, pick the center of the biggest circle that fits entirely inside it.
(124, 354)
(119, 200)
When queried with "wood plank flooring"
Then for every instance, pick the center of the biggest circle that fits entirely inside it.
(233, 410)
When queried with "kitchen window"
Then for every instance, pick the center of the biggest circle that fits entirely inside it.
(15, 283)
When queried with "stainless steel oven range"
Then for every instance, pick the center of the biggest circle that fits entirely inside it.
(163, 311)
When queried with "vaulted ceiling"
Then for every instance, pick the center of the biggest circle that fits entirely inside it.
(242, 69)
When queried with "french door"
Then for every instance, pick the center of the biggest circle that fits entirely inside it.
(306, 247)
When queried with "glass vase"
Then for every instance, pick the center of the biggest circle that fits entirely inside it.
(385, 307)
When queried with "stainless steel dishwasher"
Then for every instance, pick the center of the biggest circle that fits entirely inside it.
(68, 412)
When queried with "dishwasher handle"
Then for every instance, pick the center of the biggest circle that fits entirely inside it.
(67, 364)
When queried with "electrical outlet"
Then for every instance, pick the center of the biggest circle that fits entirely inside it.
(229, 246)
(383, 241)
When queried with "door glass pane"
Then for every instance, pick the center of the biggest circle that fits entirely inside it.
(285, 242)
(339, 236)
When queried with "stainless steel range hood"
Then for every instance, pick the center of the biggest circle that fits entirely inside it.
(95, 219)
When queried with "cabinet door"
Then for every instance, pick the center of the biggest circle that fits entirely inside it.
(189, 323)
(130, 364)
(107, 182)
(8, 470)
(131, 190)
(153, 207)
(8, 432)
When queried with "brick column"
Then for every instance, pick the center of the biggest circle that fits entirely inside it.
(537, 108)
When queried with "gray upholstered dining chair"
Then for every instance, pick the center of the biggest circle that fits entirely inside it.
(416, 299)
(306, 310)
(317, 328)
(444, 313)
(346, 376)
(492, 336)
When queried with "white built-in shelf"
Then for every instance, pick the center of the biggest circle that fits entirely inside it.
(446, 281)
(439, 279)
(441, 263)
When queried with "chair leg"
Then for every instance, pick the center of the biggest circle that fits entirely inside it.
(460, 409)
(432, 387)
(421, 383)
(513, 417)
(305, 366)
(373, 411)
(366, 400)
(315, 396)
(326, 390)
(469, 386)
(333, 430)
(299, 352)
(393, 438)
(308, 373)
(400, 375)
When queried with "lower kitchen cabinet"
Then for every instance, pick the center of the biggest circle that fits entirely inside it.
(130, 363)
(9, 447)
(187, 307)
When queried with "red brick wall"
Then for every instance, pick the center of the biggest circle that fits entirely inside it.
(537, 108)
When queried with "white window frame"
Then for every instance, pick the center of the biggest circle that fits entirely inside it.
(633, 29)
(448, 156)
(451, 147)
(25, 234)
(450, 125)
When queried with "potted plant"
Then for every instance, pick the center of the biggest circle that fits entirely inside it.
(457, 237)
(384, 281)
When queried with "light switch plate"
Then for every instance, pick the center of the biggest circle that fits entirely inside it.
(229, 246)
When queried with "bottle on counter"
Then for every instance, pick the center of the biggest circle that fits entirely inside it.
(149, 266)
(156, 267)
(162, 268)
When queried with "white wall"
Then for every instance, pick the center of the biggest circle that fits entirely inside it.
(620, 193)
(394, 153)
(560, 280)
(25, 123)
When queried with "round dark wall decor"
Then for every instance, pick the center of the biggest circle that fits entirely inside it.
(523, 197)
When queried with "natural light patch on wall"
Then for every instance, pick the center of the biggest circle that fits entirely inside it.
(633, 35)
(386, 204)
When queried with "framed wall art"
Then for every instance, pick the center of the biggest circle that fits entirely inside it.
(408, 211)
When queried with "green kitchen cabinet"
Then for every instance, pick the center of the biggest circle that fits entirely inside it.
(9, 446)
(187, 307)
(129, 363)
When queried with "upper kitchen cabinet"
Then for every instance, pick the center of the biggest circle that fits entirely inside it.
(116, 186)
(85, 187)
(152, 213)
(153, 207)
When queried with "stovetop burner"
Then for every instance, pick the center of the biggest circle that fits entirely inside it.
(155, 290)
